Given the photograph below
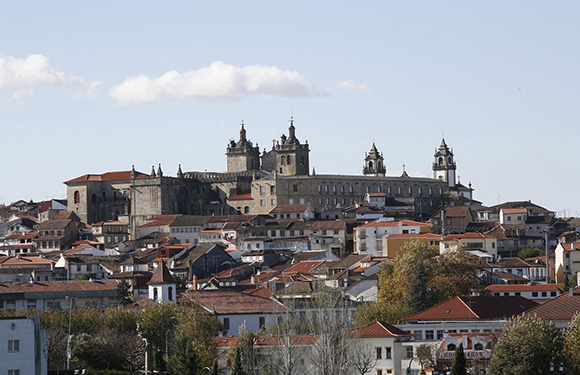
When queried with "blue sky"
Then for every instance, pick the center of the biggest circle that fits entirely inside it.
(96, 87)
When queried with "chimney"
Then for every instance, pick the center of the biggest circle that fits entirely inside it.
(194, 282)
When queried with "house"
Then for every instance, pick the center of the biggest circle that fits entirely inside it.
(23, 346)
(203, 260)
(328, 235)
(455, 219)
(465, 314)
(515, 216)
(55, 235)
(477, 348)
(567, 262)
(559, 310)
(293, 211)
(392, 347)
(393, 243)
(58, 294)
(21, 268)
(235, 309)
(368, 237)
(536, 292)
(264, 257)
(528, 270)
(98, 267)
(470, 242)
(186, 228)
(111, 232)
(17, 226)
(18, 243)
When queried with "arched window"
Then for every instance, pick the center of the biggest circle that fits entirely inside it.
(170, 293)
(440, 161)
(288, 160)
(478, 346)
(451, 347)
(77, 197)
(370, 164)
(155, 294)
(246, 209)
(282, 159)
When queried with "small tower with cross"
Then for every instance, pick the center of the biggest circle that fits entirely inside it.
(444, 166)
(291, 155)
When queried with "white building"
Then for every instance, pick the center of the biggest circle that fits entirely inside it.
(23, 347)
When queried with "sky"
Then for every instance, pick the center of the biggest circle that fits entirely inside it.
(92, 87)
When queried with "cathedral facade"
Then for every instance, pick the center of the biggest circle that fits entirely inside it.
(255, 183)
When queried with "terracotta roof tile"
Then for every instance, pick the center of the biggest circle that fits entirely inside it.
(232, 302)
(58, 286)
(379, 329)
(108, 176)
(563, 307)
(161, 275)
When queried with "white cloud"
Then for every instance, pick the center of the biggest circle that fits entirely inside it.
(353, 86)
(36, 70)
(216, 81)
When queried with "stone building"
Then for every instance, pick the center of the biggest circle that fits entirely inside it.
(255, 184)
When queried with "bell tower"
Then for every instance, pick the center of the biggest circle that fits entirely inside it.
(444, 166)
(242, 155)
(374, 163)
(291, 155)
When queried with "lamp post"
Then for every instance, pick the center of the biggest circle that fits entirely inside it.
(68, 343)
(206, 368)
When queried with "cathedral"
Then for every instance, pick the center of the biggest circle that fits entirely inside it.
(255, 182)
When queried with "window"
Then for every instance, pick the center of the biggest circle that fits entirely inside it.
(291, 201)
(544, 294)
(14, 372)
(388, 353)
(553, 294)
(379, 372)
(13, 346)
(409, 351)
(262, 203)
(478, 346)
(155, 294)
(77, 197)
(294, 187)
(379, 353)
(451, 347)
(439, 334)
(170, 293)
(320, 188)
(226, 323)
(429, 335)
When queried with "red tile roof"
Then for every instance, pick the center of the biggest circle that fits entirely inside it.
(514, 210)
(395, 223)
(160, 220)
(262, 291)
(161, 275)
(379, 329)
(524, 287)
(563, 307)
(241, 197)
(471, 307)
(377, 194)
(329, 225)
(24, 260)
(109, 176)
(232, 302)
(59, 286)
(306, 266)
(289, 208)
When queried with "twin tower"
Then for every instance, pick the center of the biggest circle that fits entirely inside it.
(288, 157)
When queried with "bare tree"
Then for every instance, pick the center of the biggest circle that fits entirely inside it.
(361, 356)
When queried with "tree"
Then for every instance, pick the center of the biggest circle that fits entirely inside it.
(529, 252)
(571, 350)
(123, 293)
(184, 360)
(452, 274)
(361, 356)
(237, 368)
(156, 321)
(459, 365)
(421, 295)
(201, 328)
(428, 354)
(527, 346)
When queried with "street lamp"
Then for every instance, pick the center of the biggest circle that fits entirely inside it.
(68, 343)
(205, 368)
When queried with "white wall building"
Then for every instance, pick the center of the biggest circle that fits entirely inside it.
(23, 347)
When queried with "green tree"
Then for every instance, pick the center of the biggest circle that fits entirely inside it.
(201, 328)
(85, 276)
(421, 295)
(527, 346)
(529, 252)
(452, 273)
(184, 360)
(156, 321)
(237, 368)
(571, 349)
(123, 293)
(459, 364)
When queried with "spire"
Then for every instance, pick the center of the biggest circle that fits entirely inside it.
(133, 173)
(159, 171)
(153, 174)
(179, 172)
(161, 275)
(292, 140)
(243, 133)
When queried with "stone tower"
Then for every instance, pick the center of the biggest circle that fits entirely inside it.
(444, 166)
(374, 163)
(243, 156)
(291, 155)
